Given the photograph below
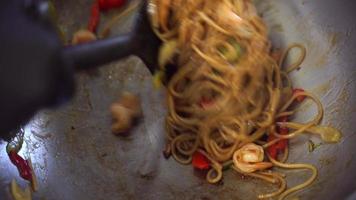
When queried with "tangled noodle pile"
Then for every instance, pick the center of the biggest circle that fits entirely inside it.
(231, 90)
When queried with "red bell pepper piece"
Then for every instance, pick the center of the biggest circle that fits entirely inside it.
(22, 165)
(199, 161)
(299, 98)
(281, 145)
(94, 17)
(106, 5)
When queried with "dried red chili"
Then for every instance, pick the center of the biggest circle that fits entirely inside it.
(106, 5)
(22, 165)
(94, 17)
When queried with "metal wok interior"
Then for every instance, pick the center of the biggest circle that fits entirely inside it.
(75, 156)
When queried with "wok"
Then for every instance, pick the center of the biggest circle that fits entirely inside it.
(75, 156)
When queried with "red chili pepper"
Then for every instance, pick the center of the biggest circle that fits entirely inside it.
(281, 145)
(94, 17)
(22, 165)
(106, 5)
(299, 98)
(199, 161)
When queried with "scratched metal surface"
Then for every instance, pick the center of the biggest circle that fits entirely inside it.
(76, 157)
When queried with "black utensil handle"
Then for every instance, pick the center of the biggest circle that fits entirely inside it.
(92, 54)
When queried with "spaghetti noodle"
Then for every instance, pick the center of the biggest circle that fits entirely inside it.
(229, 90)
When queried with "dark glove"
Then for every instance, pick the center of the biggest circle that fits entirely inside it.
(33, 73)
